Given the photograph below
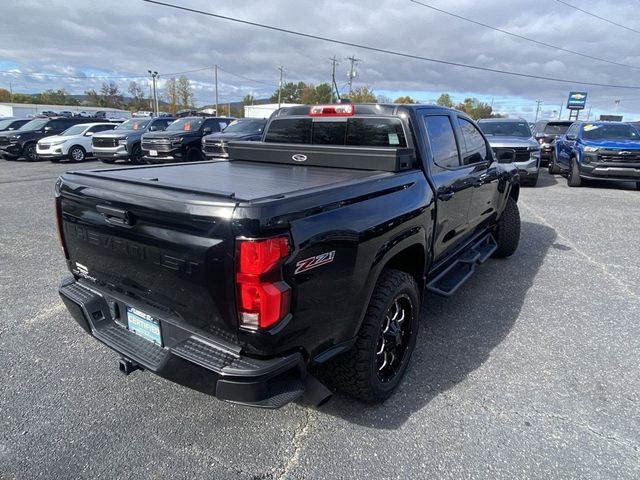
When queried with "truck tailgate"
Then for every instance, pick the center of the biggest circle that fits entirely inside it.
(160, 251)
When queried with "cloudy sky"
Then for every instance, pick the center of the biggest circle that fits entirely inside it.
(75, 44)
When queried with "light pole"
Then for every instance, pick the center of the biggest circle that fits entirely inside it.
(154, 75)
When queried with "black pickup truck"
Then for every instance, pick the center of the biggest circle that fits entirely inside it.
(182, 140)
(304, 256)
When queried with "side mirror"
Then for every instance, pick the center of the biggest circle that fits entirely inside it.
(88, 134)
(570, 137)
(207, 131)
(505, 155)
(48, 129)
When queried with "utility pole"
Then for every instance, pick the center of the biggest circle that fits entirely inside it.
(334, 63)
(560, 114)
(538, 103)
(154, 76)
(11, 91)
(280, 87)
(589, 113)
(215, 75)
(352, 72)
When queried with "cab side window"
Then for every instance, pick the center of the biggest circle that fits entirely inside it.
(442, 140)
(475, 148)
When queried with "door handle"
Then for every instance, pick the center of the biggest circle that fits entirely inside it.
(446, 195)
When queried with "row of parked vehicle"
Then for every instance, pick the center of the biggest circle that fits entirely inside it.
(137, 140)
(578, 150)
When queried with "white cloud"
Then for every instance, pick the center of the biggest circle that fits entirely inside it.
(126, 37)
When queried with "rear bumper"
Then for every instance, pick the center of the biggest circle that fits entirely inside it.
(204, 364)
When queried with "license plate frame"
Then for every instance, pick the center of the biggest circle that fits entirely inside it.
(144, 325)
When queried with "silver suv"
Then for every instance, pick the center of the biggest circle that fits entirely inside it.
(123, 142)
(515, 134)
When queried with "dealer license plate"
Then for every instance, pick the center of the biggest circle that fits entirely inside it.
(153, 153)
(144, 325)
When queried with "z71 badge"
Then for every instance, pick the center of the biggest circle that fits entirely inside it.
(313, 262)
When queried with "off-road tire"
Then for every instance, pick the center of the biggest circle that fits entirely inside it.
(573, 178)
(553, 168)
(355, 372)
(507, 232)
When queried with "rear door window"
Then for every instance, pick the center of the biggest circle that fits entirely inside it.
(289, 130)
(442, 140)
(475, 150)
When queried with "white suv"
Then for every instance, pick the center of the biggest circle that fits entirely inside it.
(73, 144)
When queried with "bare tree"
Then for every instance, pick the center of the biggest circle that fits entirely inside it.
(171, 92)
(184, 92)
(110, 93)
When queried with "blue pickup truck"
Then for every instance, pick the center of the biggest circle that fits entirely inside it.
(598, 151)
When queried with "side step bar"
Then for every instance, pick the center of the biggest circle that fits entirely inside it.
(454, 276)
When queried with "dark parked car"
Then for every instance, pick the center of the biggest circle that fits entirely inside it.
(598, 151)
(10, 124)
(22, 142)
(309, 251)
(182, 140)
(249, 129)
(546, 132)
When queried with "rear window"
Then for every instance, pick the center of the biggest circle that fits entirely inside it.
(370, 132)
(557, 128)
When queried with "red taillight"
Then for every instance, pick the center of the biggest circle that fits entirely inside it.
(60, 228)
(343, 110)
(261, 303)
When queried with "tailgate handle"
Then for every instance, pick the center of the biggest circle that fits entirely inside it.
(115, 216)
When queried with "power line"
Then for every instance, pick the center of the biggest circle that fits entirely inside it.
(392, 52)
(522, 37)
(598, 17)
(247, 78)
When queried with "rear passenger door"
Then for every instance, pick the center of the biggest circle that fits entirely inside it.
(484, 173)
(453, 182)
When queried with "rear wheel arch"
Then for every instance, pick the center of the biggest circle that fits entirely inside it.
(515, 192)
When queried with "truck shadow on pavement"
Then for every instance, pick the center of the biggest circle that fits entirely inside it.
(457, 334)
(547, 180)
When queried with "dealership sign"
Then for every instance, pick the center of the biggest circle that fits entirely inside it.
(577, 100)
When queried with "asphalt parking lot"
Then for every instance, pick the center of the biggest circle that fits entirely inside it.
(530, 371)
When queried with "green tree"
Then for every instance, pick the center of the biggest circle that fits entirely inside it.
(322, 93)
(248, 99)
(363, 94)
(185, 92)
(290, 93)
(22, 98)
(445, 100)
(404, 99)
(475, 108)
(5, 95)
(171, 93)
